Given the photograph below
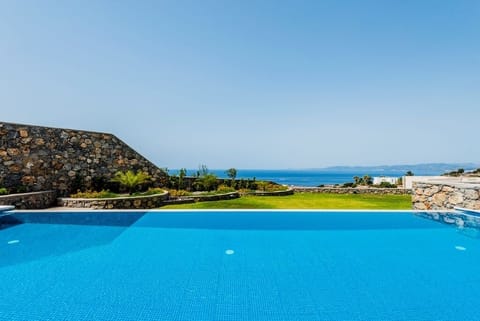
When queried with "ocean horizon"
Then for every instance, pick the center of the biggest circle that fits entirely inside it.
(314, 177)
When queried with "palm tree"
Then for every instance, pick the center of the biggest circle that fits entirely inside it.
(357, 180)
(367, 180)
(130, 180)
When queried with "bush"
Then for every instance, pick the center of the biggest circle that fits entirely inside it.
(206, 182)
(225, 189)
(386, 185)
(130, 180)
(276, 187)
(178, 193)
(270, 187)
(93, 194)
(150, 191)
(346, 185)
(3, 191)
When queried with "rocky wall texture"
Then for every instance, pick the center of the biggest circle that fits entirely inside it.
(274, 193)
(443, 196)
(35, 158)
(27, 201)
(138, 202)
(217, 197)
(333, 190)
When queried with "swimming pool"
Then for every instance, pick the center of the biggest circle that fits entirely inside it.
(248, 265)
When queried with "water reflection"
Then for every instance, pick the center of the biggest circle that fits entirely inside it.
(28, 237)
(466, 224)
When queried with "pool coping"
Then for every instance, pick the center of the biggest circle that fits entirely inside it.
(80, 210)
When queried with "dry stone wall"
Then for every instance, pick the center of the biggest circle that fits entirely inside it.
(35, 200)
(444, 195)
(349, 190)
(35, 158)
(138, 202)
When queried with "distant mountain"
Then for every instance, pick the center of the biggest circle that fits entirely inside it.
(422, 169)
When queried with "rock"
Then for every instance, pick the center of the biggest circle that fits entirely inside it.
(23, 133)
(13, 151)
(447, 189)
(419, 206)
(456, 198)
(472, 194)
(439, 198)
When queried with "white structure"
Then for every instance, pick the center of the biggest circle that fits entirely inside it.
(381, 179)
(408, 180)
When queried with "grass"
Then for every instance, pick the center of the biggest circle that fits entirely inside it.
(307, 201)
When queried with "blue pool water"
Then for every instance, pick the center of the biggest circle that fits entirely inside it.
(196, 266)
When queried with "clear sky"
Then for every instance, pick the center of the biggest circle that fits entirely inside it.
(251, 84)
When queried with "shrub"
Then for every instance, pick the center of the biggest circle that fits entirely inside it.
(349, 185)
(207, 182)
(94, 194)
(225, 189)
(3, 191)
(276, 187)
(130, 180)
(270, 187)
(386, 185)
(178, 193)
(150, 191)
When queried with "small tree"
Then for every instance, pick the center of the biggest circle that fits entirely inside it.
(409, 173)
(232, 174)
(181, 176)
(208, 181)
(130, 180)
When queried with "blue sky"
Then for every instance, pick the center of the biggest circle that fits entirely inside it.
(251, 84)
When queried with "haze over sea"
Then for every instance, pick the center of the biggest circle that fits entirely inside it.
(335, 175)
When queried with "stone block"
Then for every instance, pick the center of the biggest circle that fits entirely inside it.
(455, 198)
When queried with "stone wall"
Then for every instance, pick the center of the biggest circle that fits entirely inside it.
(217, 197)
(35, 158)
(446, 194)
(35, 200)
(136, 202)
(287, 192)
(349, 190)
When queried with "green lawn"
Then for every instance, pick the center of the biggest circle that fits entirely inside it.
(307, 201)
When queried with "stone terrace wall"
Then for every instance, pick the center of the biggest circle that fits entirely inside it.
(348, 190)
(35, 200)
(445, 195)
(137, 202)
(42, 158)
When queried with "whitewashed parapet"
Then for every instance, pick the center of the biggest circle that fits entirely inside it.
(441, 195)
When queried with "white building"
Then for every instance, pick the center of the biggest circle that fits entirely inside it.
(388, 179)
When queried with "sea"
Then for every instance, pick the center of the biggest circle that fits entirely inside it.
(309, 177)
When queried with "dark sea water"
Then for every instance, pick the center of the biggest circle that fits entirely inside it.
(312, 177)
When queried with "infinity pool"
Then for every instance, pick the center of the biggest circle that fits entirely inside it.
(249, 265)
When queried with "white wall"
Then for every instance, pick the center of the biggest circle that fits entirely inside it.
(378, 180)
(408, 180)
